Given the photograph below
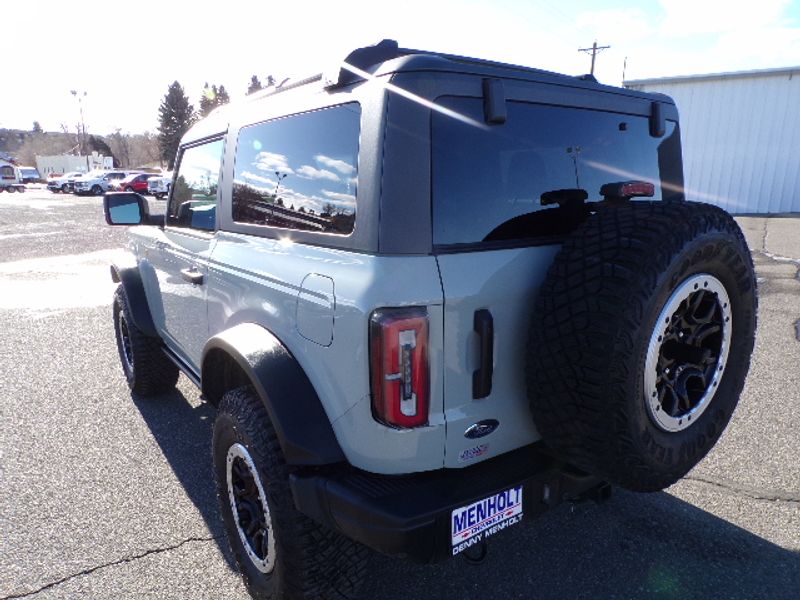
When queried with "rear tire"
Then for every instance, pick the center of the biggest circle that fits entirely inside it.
(280, 552)
(147, 369)
(641, 340)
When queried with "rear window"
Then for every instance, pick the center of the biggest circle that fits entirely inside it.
(488, 182)
(299, 172)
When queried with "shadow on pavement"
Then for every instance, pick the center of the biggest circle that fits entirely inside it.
(633, 546)
(183, 432)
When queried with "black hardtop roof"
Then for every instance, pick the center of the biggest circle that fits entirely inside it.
(387, 57)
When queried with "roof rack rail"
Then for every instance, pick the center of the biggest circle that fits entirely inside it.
(283, 86)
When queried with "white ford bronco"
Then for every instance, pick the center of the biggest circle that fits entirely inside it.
(430, 295)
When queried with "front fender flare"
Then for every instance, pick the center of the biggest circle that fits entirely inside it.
(131, 281)
(303, 428)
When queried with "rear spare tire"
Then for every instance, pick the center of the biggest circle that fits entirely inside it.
(641, 340)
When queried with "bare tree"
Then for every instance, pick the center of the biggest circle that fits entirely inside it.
(44, 144)
(121, 147)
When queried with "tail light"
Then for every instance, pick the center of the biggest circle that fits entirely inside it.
(399, 366)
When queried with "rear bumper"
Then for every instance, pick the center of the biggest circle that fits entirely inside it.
(410, 516)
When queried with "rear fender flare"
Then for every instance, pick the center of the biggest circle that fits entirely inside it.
(303, 428)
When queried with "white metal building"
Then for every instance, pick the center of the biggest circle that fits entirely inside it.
(65, 163)
(741, 137)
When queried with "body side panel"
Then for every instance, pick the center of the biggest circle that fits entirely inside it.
(264, 287)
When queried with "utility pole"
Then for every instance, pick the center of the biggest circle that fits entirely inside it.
(594, 51)
(83, 125)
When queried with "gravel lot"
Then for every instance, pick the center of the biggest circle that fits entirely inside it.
(107, 497)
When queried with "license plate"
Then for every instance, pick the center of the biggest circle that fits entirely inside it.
(475, 522)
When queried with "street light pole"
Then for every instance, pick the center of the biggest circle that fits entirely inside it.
(82, 132)
(281, 177)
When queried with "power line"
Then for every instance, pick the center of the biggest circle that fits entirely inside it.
(594, 51)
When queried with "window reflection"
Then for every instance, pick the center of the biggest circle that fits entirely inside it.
(488, 184)
(194, 196)
(299, 172)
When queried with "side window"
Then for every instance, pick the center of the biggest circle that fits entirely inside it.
(194, 198)
(299, 172)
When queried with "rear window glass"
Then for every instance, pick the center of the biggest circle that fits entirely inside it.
(299, 172)
(488, 181)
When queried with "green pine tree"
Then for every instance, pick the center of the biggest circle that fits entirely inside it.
(222, 96)
(208, 100)
(175, 116)
(255, 85)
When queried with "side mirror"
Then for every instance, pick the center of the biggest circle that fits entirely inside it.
(127, 208)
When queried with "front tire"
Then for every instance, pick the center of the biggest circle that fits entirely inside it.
(148, 371)
(97, 190)
(641, 341)
(280, 552)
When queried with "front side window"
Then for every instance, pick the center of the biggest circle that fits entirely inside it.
(299, 172)
(194, 197)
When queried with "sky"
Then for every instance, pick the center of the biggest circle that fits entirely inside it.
(124, 54)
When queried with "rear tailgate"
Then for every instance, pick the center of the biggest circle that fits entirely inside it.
(505, 283)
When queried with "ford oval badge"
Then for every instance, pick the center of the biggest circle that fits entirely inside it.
(481, 428)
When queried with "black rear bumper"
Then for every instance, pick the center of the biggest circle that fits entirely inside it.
(409, 516)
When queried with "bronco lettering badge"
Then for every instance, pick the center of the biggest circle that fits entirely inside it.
(473, 523)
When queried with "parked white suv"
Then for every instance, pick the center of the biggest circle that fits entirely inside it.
(98, 182)
(159, 185)
(429, 297)
(62, 184)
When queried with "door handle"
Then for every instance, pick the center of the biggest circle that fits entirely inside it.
(192, 275)
(483, 325)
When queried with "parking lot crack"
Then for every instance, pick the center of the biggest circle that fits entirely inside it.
(113, 563)
(749, 492)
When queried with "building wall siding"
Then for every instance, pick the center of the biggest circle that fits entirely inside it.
(741, 138)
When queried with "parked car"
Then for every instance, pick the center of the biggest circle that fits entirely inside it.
(98, 182)
(63, 183)
(428, 297)
(30, 175)
(159, 185)
(136, 182)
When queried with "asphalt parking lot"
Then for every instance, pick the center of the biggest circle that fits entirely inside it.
(105, 496)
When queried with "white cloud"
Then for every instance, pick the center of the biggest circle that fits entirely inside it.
(343, 198)
(269, 161)
(690, 17)
(251, 178)
(613, 26)
(309, 172)
(333, 163)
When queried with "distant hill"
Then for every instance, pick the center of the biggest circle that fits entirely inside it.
(24, 145)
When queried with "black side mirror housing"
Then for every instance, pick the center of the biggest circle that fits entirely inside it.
(128, 208)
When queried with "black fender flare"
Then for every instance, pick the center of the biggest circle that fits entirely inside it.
(131, 282)
(303, 428)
